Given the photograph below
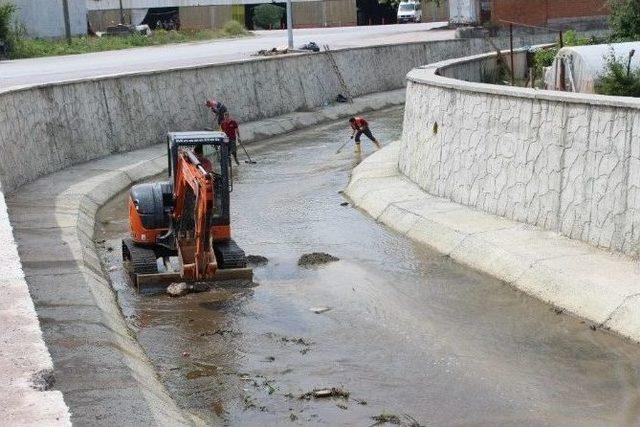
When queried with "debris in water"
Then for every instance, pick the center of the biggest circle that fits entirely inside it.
(113, 268)
(344, 204)
(109, 249)
(296, 340)
(257, 260)
(321, 393)
(269, 359)
(557, 310)
(218, 408)
(178, 289)
(386, 418)
(199, 287)
(341, 406)
(185, 354)
(181, 289)
(361, 402)
(293, 416)
(316, 258)
(319, 310)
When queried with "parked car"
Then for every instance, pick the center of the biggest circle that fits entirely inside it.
(409, 11)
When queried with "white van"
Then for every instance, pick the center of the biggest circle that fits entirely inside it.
(409, 11)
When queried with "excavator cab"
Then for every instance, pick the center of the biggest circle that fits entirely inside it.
(181, 228)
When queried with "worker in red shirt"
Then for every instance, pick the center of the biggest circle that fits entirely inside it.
(230, 127)
(361, 126)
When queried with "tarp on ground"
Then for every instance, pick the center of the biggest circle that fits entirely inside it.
(585, 64)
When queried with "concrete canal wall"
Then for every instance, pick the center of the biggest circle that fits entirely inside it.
(68, 123)
(565, 162)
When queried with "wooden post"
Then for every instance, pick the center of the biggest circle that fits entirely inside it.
(121, 14)
(67, 23)
(513, 77)
(562, 70)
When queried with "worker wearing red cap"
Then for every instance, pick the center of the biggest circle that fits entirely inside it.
(218, 109)
(361, 126)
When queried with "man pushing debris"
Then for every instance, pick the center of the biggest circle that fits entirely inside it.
(361, 126)
(218, 109)
(230, 127)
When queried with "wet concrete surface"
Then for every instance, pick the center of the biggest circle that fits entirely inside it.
(409, 333)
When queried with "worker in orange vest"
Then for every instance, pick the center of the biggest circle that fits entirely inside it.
(361, 126)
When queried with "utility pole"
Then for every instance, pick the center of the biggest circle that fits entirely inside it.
(289, 24)
(121, 14)
(67, 23)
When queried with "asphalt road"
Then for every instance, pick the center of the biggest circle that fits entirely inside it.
(61, 68)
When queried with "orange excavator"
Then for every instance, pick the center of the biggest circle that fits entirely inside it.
(180, 228)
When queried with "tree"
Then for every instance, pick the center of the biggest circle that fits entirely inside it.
(624, 19)
(619, 79)
(267, 16)
(7, 29)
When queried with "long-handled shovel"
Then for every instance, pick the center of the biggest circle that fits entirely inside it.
(251, 162)
(341, 147)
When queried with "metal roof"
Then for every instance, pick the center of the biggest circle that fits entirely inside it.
(197, 137)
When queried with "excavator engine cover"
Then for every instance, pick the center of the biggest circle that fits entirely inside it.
(153, 203)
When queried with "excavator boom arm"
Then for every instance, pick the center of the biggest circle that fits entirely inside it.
(193, 204)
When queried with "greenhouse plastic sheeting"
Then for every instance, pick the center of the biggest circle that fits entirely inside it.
(585, 64)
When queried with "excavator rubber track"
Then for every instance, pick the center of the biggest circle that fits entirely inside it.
(229, 255)
(141, 260)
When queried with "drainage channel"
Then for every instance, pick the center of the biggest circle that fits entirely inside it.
(411, 336)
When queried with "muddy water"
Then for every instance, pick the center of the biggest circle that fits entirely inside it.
(409, 333)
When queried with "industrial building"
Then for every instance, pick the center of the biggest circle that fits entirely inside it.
(202, 14)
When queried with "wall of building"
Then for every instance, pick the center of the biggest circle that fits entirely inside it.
(306, 14)
(543, 12)
(45, 18)
(330, 13)
(565, 162)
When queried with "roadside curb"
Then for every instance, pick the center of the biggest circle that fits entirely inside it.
(599, 286)
(53, 222)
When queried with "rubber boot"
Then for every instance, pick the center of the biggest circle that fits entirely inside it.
(378, 146)
(235, 157)
(357, 149)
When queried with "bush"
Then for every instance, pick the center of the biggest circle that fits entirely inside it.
(624, 19)
(7, 32)
(233, 28)
(543, 58)
(618, 80)
(267, 16)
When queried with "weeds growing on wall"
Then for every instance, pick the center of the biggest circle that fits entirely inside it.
(619, 78)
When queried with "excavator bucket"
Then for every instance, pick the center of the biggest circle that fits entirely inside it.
(152, 269)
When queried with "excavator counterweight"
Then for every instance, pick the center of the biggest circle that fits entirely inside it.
(180, 228)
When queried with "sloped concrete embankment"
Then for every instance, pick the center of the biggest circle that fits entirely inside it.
(104, 374)
(591, 283)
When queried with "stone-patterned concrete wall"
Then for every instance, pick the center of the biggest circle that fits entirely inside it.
(565, 162)
(44, 129)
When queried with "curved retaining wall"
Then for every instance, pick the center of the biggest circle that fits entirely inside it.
(561, 161)
(47, 128)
